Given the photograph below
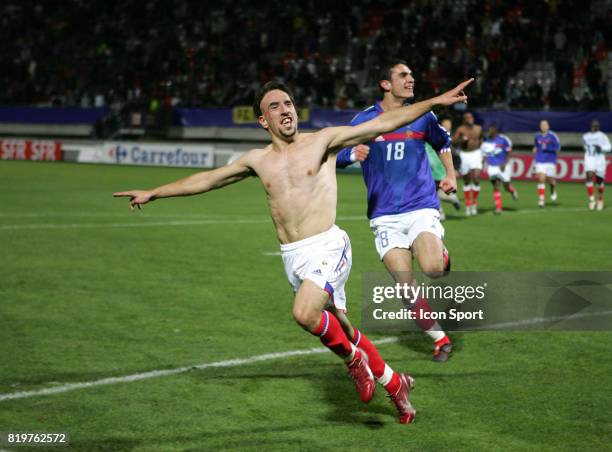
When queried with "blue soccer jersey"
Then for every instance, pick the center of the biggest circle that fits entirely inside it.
(547, 145)
(397, 172)
(496, 150)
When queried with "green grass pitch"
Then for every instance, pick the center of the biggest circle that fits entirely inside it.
(90, 290)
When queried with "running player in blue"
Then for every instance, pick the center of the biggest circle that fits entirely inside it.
(403, 205)
(546, 146)
(497, 149)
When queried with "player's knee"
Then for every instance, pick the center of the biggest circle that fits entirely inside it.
(307, 318)
(433, 269)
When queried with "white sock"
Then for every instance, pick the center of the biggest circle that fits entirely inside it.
(435, 332)
(350, 357)
(386, 376)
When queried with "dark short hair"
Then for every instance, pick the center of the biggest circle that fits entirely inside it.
(270, 86)
(384, 70)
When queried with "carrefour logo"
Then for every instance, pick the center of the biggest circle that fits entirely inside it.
(162, 156)
(121, 153)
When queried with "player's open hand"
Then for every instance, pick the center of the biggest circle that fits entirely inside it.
(137, 197)
(453, 96)
(448, 185)
(360, 152)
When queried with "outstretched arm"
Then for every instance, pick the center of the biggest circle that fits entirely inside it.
(192, 185)
(392, 120)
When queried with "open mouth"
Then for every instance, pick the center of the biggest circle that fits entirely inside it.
(286, 121)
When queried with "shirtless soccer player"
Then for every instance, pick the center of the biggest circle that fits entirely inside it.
(468, 138)
(403, 205)
(298, 174)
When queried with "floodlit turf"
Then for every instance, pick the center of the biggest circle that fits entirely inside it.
(90, 290)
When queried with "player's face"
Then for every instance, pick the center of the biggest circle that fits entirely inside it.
(402, 82)
(544, 126)
(594, 125)
(278, 114)
(468, 118)
(492, 132)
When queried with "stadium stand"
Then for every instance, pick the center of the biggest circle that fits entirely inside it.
(136, 57)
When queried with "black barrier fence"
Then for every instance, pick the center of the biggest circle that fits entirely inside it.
(489, 301)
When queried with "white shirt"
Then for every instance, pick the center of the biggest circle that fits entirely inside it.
(592, 139)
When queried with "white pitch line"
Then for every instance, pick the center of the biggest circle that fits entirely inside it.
(167, 372)
(204, 221)
(257, 358)
(536, 320)
(259, 220)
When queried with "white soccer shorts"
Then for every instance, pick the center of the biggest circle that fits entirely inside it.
(550, 169)
(324, 259)
(596, 164)
(495, 172)
(471, 160)
(400, 231)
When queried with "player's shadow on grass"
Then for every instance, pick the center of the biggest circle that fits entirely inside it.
(422, 344)
(346, 406)
(330, 382)
(509, 209)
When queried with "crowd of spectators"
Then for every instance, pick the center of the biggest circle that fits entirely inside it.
(192, 53)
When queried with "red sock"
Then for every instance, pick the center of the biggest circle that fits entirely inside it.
(443, 341)
(541, 190)
(497, 199)
(332, 335)
(393, 386)
(590, 189)
(377, 364)
(420, 307)
(468, 196)
(476, 192)
(600, 190)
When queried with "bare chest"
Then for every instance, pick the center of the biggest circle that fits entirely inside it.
(293, 172)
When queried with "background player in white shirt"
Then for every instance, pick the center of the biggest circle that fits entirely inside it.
(596, 143)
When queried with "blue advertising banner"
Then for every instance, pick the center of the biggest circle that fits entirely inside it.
(242, 116)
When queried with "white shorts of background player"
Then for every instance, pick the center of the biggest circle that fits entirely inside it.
(471, 160)
(550, 169)
(400, 231)
(325, 259)
(495, 172)
(596, 164)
